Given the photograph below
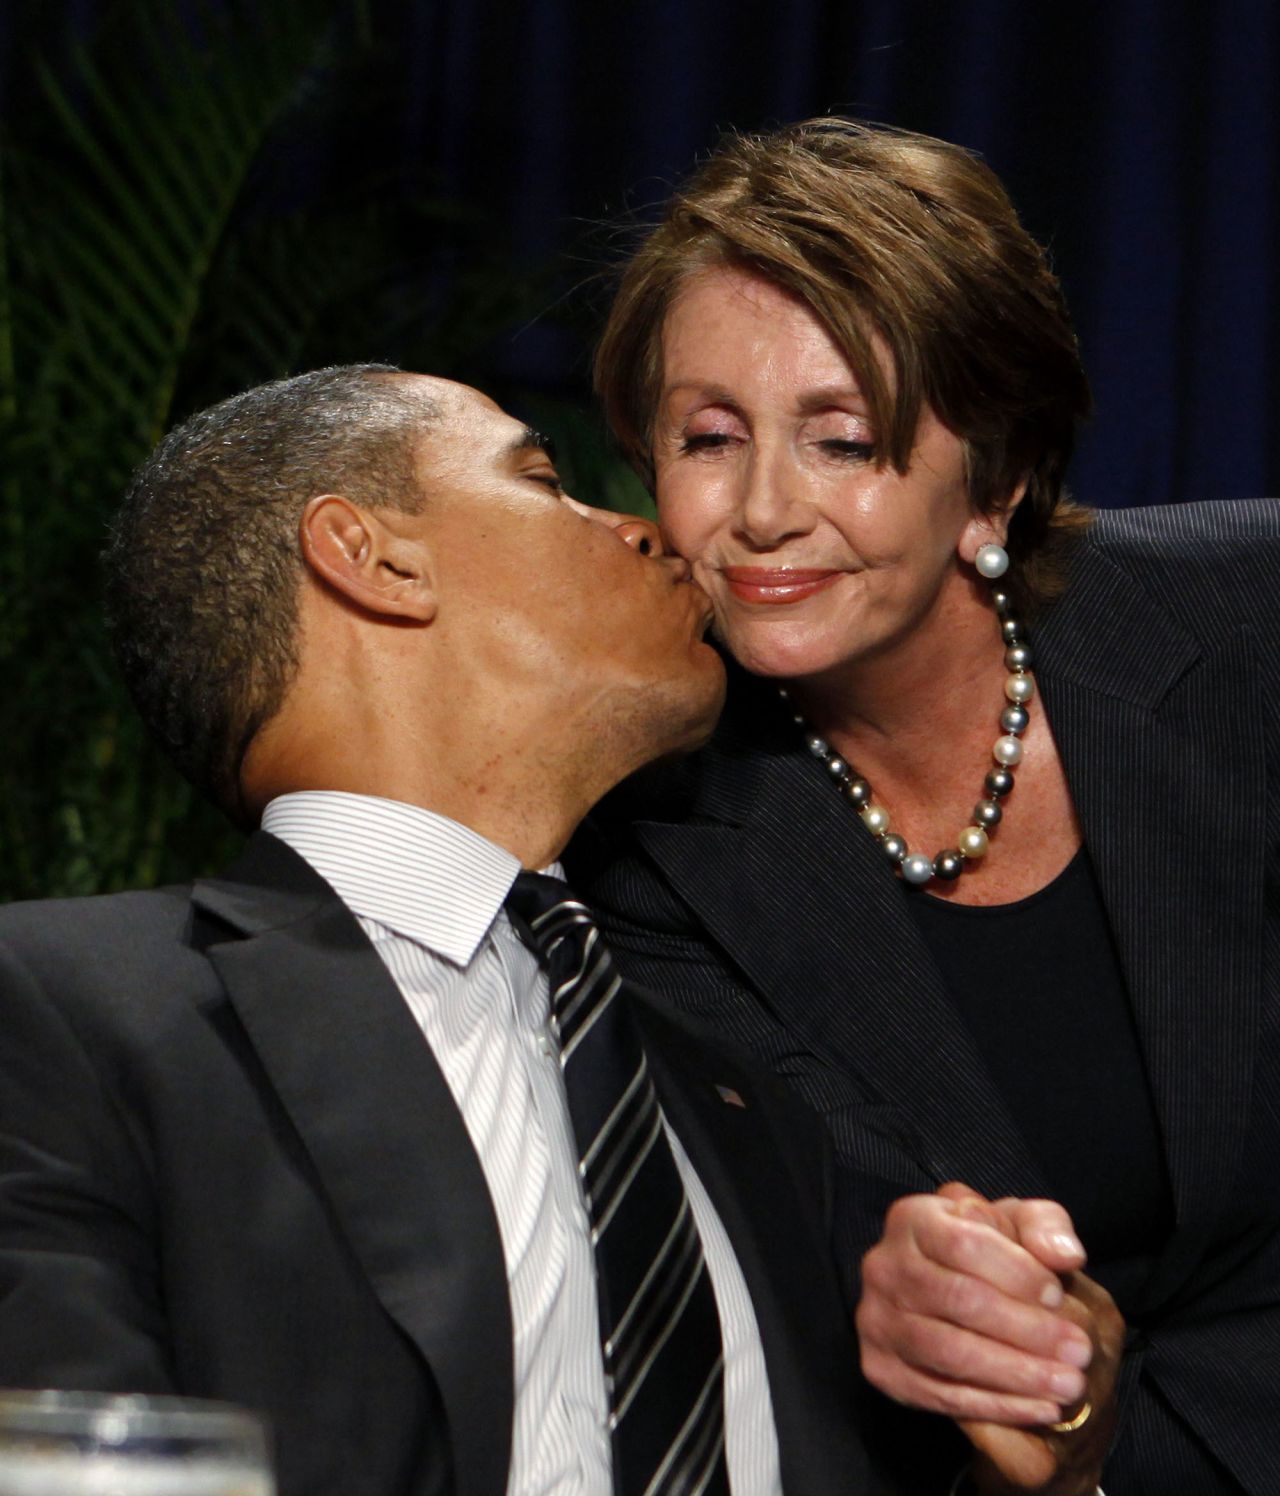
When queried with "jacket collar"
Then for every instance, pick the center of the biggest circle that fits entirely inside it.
(797, 895)
(380, 1125)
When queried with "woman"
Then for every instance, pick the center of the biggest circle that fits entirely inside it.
(983, 857)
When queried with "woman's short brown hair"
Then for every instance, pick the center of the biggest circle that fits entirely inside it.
(893, 237)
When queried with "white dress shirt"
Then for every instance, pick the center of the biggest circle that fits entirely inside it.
(429, 894)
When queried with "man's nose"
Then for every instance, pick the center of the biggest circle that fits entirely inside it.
(640, 534)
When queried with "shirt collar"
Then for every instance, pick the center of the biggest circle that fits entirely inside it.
(420, 874)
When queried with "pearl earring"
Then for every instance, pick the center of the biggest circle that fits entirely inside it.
(992, 560)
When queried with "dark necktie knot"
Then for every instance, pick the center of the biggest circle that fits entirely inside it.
(544, 910)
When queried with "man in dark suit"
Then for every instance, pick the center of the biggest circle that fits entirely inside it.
(298, 1137)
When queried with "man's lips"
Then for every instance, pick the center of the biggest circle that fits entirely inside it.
(705, 612)
(776, 584)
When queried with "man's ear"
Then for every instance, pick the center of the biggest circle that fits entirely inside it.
(363, 559)
(992, 528)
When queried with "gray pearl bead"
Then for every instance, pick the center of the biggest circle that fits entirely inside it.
(987, 813)
(1010, 630)
(948, 865)
(1014, 718)
(859, 793)
(1018, 657)
(917, 869)
(893, 846)
(999, 781)
(837, 767)
(819, 747)
(1003, 601)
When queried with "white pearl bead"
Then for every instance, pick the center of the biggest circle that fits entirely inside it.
(992, 561)
(1019, 688)
(917, 868)
(973, 842)
(875, 818)
(1007, 751)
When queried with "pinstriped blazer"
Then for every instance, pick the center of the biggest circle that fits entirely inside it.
(734, 883)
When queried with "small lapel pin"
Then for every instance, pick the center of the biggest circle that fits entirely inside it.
(730, 1097)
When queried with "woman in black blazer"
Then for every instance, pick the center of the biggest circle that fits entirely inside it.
(850, 376)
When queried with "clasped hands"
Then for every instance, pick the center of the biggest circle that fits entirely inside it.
(980, 1310)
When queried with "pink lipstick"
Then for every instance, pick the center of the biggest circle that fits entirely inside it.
(776, 584)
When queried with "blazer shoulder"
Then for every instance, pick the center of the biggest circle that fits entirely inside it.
(69, 929)
(110, 963)
(1215, 565)
(1207, 542)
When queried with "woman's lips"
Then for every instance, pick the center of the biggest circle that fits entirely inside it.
(776, 584)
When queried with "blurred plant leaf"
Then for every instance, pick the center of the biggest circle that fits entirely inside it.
(169, 234)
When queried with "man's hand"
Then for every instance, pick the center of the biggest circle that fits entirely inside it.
(1014, 1461)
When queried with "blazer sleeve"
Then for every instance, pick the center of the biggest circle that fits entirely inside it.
(79, 1301)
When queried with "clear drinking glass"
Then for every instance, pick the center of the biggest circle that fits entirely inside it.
(85, 1444)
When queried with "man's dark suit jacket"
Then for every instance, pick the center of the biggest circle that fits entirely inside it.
(738, 884)
(230, 1167)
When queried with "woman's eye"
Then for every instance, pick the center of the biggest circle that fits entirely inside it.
(551, 481)
(854, 451)
(704, 441)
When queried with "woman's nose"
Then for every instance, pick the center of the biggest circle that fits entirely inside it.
(770, 506)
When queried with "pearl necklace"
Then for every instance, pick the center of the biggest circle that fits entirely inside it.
(973, 841)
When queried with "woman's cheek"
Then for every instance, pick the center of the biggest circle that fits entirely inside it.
(687, 514)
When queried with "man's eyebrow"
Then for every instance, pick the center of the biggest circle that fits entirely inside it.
(530, 440)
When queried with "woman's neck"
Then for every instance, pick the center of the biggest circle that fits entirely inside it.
(919, 699)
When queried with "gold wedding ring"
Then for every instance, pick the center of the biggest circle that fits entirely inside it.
(1070, 1425)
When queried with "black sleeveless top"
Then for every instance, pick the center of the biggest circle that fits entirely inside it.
(1038, 983)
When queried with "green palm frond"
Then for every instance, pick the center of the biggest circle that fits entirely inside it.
(157, 254)
(117, 205)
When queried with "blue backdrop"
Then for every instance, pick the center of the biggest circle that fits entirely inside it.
(1139, 138)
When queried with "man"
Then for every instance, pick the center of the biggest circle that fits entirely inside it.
(308, 1136)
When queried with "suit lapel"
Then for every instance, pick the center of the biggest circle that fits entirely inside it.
(783, 878)
(1171, 796)
(368, 1100)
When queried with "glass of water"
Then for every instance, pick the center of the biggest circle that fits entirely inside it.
(86, 1444)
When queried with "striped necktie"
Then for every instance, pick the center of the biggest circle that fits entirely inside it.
(658, 1322)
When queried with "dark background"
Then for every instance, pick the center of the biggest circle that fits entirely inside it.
(445, 185)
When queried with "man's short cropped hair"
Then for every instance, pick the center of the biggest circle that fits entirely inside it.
(204, 563)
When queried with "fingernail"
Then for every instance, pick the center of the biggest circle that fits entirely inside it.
(1051, 1295)
(1064, 1242)
(1067, 1386)
(1076, 1353)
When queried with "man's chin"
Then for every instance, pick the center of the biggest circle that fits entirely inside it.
(705, 704)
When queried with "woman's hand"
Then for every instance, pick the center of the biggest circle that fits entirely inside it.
(978, 1310)
(960, 1308)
